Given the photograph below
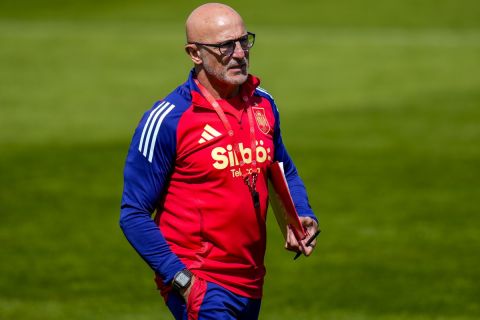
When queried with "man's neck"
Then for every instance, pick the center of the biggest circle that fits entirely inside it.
(217, 89)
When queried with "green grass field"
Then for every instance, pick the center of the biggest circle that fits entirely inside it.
(380, 106)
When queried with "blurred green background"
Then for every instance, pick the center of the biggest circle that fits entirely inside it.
(380, 106)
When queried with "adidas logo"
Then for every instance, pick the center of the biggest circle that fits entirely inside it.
(208, 134)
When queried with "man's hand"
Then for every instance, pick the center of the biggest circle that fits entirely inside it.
(185, 293)
(310, 227)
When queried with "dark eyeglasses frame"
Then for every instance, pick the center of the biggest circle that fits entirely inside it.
(224, 47)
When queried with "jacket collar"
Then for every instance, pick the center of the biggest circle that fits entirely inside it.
(198, 100)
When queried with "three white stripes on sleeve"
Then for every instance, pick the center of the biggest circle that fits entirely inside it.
(154, 121)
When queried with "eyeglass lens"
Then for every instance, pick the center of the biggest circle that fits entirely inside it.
(246, 43)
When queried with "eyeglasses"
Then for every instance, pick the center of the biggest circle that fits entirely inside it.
(227, 48)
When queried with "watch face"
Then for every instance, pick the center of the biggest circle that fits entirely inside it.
(182, 279)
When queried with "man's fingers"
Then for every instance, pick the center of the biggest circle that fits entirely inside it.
(291, 243)
(311, 227)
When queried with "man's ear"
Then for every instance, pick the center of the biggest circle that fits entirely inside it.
(194, 53)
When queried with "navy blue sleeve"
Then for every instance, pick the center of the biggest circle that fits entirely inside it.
(295, 183)
(148, 166)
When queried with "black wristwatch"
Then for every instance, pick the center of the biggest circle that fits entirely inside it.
(182, 280)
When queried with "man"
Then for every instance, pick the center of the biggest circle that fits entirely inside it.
(200, 158)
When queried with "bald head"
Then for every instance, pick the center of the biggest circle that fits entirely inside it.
(214, 23)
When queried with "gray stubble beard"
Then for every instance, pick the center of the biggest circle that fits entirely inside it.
(221, 75)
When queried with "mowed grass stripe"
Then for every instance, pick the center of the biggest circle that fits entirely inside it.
(76, 72)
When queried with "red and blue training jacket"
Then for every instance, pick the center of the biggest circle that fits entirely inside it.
(182, 163)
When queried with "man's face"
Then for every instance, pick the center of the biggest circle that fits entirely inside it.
(229, 69)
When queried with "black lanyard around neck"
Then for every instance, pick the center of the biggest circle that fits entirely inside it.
(250, 178)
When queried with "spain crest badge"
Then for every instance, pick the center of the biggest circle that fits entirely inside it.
(261, 119)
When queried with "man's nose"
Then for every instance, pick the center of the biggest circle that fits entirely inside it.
(238, 51)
